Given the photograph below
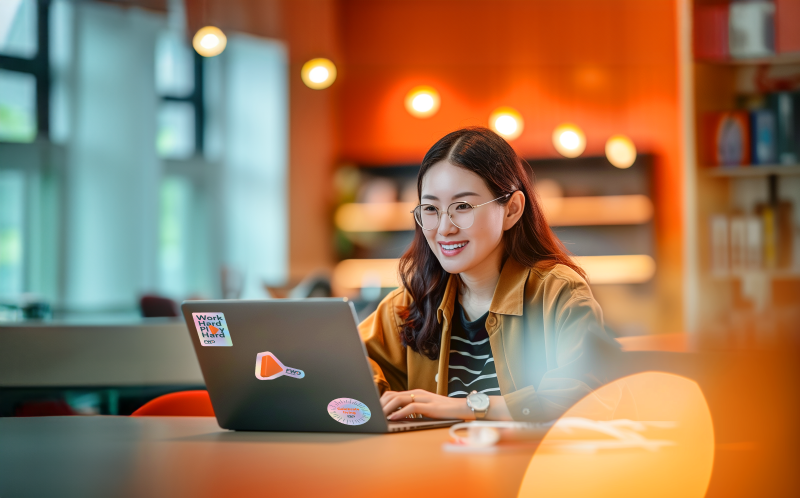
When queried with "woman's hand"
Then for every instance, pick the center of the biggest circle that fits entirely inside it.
(433, 405)
(424, 403)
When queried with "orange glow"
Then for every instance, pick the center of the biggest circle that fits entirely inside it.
(507, 122)
(318, 74)
(627, 269)
(600, 210)
(569, 140)
(560, 211)
(375, 217)
(352, 274)
(656, 439)
(209, 41)
(423, 102)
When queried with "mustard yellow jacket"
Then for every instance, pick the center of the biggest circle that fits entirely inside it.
(545, 330)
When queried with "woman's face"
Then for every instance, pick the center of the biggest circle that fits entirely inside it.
(462, 249)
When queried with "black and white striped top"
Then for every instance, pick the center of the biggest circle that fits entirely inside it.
(471, 365)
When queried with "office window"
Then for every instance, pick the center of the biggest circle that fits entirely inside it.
(18, 36)
(62, 25)
(176, 130)
(174, 239)
(11, 235)
(17, 106)
(174, 66)
(255, 161)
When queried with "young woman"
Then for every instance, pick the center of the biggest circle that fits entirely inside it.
(491, 308)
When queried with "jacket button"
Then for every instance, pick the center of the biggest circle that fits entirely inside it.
(525, 411)
(492, 320)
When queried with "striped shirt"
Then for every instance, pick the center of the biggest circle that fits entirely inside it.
(471, 364)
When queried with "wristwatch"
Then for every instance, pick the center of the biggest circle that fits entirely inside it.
(478, 403)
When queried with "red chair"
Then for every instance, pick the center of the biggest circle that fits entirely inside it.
(180, 404)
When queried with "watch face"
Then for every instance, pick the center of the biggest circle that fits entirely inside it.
(478, 401)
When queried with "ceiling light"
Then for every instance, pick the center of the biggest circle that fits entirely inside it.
(422, 102)
(569, 140)
(209, 41)
(318, 73)
(507, 122)
(620, 151)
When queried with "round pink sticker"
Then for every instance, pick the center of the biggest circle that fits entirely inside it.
(349, 411)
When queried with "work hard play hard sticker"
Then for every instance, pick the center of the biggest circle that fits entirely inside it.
(269, 367)
(212, 329)
(349, 411)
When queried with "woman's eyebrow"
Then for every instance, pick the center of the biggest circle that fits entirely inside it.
(460, 194)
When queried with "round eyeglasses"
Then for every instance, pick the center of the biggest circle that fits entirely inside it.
(461, 214)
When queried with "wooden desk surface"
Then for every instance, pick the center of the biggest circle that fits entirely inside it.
(176, 456)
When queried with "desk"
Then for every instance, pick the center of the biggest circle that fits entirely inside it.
(192, 457)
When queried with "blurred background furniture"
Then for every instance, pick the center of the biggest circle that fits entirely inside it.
(93, 368)
(178, 404)
(153, 306)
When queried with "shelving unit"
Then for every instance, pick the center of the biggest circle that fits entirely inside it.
(752, 171)
(736, 302)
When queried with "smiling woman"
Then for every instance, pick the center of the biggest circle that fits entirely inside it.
(490, 301)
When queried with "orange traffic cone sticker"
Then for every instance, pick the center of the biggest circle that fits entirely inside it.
(269, 367)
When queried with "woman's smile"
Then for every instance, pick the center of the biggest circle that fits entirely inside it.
(451, 248)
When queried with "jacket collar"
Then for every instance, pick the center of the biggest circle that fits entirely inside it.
(509, 295)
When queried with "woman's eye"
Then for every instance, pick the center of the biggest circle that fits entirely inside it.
(463, 206)
(429, 209)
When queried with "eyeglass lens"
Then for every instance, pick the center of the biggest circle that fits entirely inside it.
(461, 214)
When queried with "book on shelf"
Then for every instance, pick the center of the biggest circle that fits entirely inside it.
(711, 31)
(786, 106)
(787, 26)
(754, 243)
(778, 233)
(719, 244)
(762, 137)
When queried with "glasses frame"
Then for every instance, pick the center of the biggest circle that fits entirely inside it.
(447, 211)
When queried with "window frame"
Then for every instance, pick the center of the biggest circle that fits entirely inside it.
(39, 67)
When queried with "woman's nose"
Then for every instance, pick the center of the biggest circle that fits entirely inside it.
(446, 226)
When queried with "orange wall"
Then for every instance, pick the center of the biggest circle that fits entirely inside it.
(608, 66)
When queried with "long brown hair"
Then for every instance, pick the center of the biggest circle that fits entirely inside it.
(530, 241)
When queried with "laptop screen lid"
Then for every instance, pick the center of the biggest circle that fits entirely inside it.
(285, 365)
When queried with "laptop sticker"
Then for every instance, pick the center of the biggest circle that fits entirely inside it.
(349, 411)
(269, 367)
(212, 329)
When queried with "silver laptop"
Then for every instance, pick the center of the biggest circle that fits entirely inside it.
(289, 365)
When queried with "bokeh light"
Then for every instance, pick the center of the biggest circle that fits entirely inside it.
(569, 140)
(318, 73)
(422, 101)
(209, 41)
(507, 122)
(620, 151)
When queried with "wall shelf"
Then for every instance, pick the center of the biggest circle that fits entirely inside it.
(775, 60)
(777, 274)
(752, 171)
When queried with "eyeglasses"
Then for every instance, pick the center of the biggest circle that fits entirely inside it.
(461, 214)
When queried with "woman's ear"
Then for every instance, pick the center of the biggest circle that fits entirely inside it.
(514, 209)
